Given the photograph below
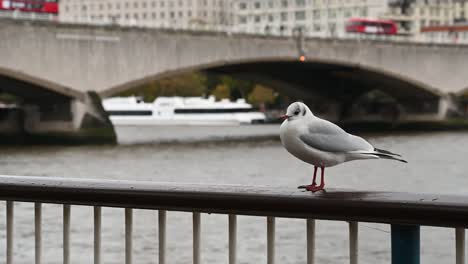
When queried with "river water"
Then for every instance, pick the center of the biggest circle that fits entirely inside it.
(220, 155)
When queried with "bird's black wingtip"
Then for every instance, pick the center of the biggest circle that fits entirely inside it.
(386, 152)
(388, 156)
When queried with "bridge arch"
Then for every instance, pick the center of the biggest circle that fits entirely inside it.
(32, 88)
(463, 92)
(328, 78)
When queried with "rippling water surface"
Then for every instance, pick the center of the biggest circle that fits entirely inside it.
(215, 155)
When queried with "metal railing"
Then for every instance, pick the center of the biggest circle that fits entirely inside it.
(405, 212)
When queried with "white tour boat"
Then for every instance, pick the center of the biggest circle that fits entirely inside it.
(181, 111)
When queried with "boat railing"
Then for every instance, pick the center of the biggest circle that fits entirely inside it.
(405, 212)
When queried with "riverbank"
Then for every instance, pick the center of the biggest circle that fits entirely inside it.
(192, 134)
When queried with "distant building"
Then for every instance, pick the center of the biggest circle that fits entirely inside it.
(457, 34)
(327, 18)
(420, 14)
(157, 13)
(313, 17)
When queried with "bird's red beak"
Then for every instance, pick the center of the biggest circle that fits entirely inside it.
(284, 117)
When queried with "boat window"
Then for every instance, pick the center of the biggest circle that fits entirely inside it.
(130, 113)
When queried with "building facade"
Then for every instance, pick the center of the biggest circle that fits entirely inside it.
(157, 13)
(311, 17)
(426, 13)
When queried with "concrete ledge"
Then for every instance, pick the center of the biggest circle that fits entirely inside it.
(83, 137)
(94, 136)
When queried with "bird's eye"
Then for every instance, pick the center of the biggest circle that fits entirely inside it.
(296, 113)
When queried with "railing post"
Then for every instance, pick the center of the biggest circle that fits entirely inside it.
(196, 237)
(232, 239)
(405, 244)
(460, 245)
(353, 242)
(66, 234)
(97, 234)
(270, 240)
(38, 232)
(9, 233)
(128, 235)
(310, 241)
(162, 236)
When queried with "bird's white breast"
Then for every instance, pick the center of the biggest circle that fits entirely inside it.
(290, 132)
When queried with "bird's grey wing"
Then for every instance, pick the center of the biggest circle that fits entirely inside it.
(326, 136)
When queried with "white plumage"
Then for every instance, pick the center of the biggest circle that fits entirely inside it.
(322, 143)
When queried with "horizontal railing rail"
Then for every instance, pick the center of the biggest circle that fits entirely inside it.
(333, 204)
(404, 211)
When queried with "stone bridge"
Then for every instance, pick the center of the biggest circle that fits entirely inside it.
(46, 62)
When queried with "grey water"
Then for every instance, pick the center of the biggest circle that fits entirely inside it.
(249, 155)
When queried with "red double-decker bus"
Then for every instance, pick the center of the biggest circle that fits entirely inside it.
(36, 6)
(371, 26)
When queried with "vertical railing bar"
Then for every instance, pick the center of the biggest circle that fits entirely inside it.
(128, 235)
(97, 234)
(10, 233)
(232, 239)
(270, 240)
(66, 234)
(38, 232)
(310, 241)
(406, 244)
(196, 237)
(353, 242)
(460, 245)
(162, 236)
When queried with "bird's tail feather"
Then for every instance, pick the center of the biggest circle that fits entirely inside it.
(388, 156)
(382, 155)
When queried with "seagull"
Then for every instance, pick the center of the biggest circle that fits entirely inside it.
(322, 143)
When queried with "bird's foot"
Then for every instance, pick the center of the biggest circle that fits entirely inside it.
(305, 186)
(311, 188)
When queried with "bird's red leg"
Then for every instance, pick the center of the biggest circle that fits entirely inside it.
(314, 187)
(315, 176)
(314, 183)
(322, 179)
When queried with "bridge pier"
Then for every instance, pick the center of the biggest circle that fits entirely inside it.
(413, 114)
(435, 110)
(11, 125)
(70, 121)
(402, 111)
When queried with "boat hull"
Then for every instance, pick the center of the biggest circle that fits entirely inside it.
(135, 121)
(209, 120)
(179, 111)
